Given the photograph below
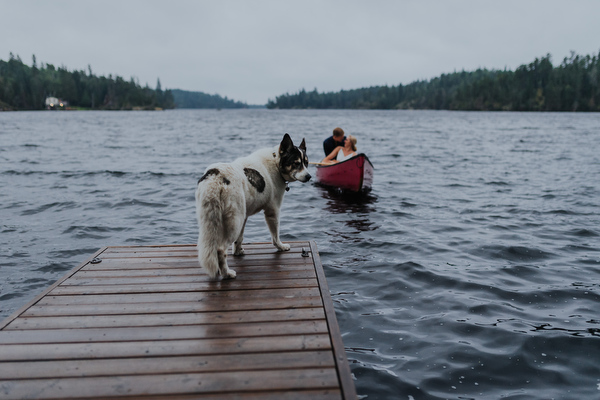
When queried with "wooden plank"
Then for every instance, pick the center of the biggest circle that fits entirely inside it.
(181, 287)
(166, 384)
(80, 280)
(249, 248)
(163, 348)
(163, 332)
(160, 257)
(192, 263)
(233, 284)
(248, 251)
(153, 365)
(172, 319)
(203, 297)
(132, 271)
(113, 308)
(277, 259)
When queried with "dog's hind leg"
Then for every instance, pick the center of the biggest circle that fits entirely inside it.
(226, 272)
(272, 218)
(237, 249)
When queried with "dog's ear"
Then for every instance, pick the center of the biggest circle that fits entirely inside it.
(302, 146)
(286, 144)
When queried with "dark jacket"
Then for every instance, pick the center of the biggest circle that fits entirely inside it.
(329, 145)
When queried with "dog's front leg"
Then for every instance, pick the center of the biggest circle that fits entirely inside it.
(272, 218)
(237, 249)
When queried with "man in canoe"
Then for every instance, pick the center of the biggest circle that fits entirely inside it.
(334, 141)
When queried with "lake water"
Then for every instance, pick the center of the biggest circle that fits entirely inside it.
(472, 270)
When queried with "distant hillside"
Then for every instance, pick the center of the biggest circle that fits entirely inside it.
(26, 88)
(573, 85)
(186, 99)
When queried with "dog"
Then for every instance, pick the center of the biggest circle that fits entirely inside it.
(228, 193)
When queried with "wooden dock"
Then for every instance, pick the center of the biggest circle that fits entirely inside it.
(145, 321)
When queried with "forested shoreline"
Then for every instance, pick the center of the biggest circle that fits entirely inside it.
(573, 85)
(26, 88)
(187, 99)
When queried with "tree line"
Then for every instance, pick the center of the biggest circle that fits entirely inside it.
(187, 99)
(26, 88)
(573, 85)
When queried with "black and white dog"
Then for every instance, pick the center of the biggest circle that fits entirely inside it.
(228, 193)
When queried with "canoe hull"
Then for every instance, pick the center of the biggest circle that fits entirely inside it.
(354, 174)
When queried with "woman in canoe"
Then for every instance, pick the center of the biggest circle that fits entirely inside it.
(342, 153)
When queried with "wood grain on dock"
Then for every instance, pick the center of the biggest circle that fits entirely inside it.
(146, 321)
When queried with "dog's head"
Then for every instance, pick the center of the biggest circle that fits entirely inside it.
(293, 162)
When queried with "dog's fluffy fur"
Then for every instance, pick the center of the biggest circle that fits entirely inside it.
(228, 193)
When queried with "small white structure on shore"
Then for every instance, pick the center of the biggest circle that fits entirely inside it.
(53, 103)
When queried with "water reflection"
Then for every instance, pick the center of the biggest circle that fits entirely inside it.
(357, 205)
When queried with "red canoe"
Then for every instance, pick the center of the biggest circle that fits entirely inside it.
(354, 174)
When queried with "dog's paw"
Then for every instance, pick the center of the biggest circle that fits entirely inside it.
(283, 247)
(239, 252)
(230, 274)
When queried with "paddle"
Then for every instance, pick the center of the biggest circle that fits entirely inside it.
(318, 163)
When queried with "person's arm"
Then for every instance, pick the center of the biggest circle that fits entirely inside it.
(331, 157)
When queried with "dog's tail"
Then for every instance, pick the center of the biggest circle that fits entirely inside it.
(209, 210)
(208, 257)
(209, 237)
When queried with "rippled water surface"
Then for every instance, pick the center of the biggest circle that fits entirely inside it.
(472, 270)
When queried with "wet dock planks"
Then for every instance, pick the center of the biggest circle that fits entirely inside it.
(146, 321)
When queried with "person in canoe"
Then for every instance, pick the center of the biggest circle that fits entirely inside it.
(342, 153)
(337, 139)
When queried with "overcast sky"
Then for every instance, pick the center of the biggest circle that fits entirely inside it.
(253, 51)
